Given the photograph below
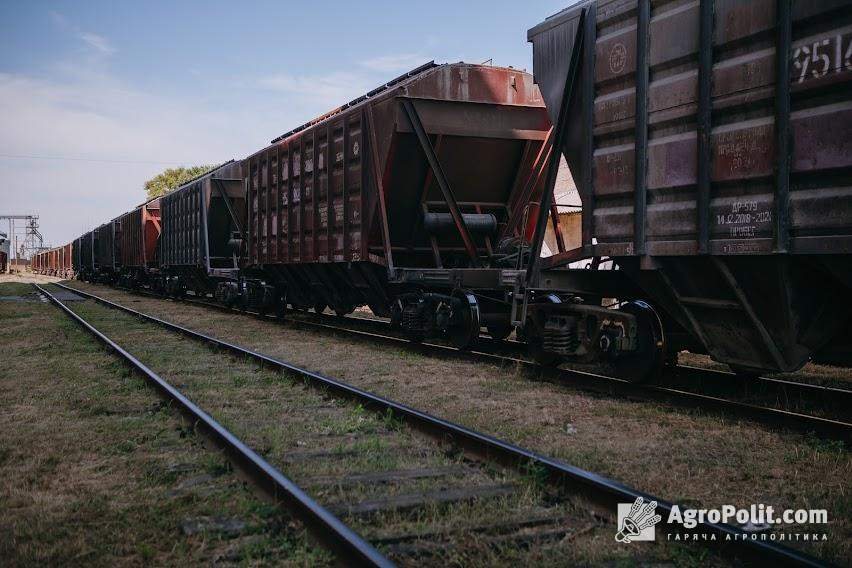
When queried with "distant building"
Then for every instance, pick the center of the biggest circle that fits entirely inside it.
(570, 209)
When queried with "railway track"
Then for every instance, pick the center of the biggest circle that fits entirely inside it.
(774, 402)
(328, 529)
(571, 495)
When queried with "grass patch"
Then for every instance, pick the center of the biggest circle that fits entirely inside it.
(103, 457)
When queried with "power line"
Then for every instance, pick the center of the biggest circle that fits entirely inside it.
(76, 159)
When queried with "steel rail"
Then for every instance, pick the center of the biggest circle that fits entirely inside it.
(675, 395)
(677, 378)
(674, 390)
(328, 529)
(832, 395)
(603, 492)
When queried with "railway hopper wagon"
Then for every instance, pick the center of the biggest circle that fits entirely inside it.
(201, 228)
(47, 262)
(35, 260)
(711, 145)
(108, 251)
(58, 261)
(76, 256)
(409, 199)
(52, 262)
(66, 263)
(88, 267)
(136, 251)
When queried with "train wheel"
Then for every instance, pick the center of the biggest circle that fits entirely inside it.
(281, 305)
(645, 365)
(343, 310)
(530, 334)
(464, 329)
(540, 355)
(396, 314)
(499, 331)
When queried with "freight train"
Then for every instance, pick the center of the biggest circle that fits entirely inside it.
(55, 261)
(710, 142)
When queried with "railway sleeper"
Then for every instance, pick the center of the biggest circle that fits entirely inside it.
(412, 501)
(521, 538)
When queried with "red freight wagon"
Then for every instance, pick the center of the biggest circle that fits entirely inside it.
(137, 234)
(66, 270)
(711, 145)
(417, 177)
(53, 261)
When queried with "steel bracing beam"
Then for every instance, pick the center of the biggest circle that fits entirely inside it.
(441, 178)
(553, 165)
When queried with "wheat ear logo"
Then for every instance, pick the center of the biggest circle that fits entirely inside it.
(634, 522)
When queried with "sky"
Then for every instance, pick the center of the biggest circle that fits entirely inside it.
(96, 97)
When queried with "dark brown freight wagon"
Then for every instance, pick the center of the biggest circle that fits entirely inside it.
(106, 252)
(405, 188)
(76, 256)
(712, 146)
(201, 226)
(88, 258)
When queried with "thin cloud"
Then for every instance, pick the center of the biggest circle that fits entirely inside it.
(326, 90)
(77, 147)
(110, 144)
(99, 43)
(395, 63)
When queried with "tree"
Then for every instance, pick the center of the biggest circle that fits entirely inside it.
(173, 178)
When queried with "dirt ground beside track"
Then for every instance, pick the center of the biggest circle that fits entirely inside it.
(96, 471)
(680, 455)
(25, 277)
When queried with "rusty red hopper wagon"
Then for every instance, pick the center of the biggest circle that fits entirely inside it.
(407, 186)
